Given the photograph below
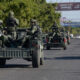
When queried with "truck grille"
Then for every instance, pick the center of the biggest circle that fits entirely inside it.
(14, 53)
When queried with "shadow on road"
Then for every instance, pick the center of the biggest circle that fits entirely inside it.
(68, 58)
(54, 49)
(46, 58)
(63, 58)
(15, 66)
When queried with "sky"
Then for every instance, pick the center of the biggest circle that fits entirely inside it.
(70, 15)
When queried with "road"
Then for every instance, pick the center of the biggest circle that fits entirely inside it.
(59, 65)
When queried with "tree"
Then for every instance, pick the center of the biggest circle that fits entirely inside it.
(26, 9)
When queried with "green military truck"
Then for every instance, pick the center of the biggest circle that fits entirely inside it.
(56, 39)
(25, 46)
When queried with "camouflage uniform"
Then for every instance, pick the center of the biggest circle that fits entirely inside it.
(35, 28)
(11, 23)
(55, 29)
(33, 31)
(54, 26)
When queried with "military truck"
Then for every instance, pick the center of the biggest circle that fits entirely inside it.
(56, 39)
(26, 46)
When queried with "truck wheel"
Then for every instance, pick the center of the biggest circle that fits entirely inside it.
(2, 62)
(36, 59)
(42, 59)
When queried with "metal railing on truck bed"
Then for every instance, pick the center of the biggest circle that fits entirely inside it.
(15, 53)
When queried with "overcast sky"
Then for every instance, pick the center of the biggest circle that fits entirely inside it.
(71, 15)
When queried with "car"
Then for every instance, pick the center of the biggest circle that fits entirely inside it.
(31, 49)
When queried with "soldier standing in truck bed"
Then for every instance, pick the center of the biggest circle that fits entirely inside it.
(35, 28)
(12, 23)
(33, 31)
(10, 29)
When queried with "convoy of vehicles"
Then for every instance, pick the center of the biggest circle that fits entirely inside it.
(30, 46)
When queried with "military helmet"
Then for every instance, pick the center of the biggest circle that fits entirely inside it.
(11, 13)
(33, 22)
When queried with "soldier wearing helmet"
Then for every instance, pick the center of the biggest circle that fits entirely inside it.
(10, 34)
(35, 28)
(33, 24)
(33, 31)
(54, 26)
(12, 23)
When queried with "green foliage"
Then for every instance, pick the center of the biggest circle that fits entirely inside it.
(76, 30)
(26, 9)
(73, 30)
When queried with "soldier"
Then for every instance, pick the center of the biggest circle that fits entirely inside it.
(33, 24)
(33, 31)
(12, 23)
(55, 29)
(54, 26)
(10, 29)
(35, 28)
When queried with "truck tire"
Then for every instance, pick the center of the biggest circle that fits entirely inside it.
(36, 58)
(2, 62)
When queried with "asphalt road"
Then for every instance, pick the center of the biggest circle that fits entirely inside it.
(59, 65)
